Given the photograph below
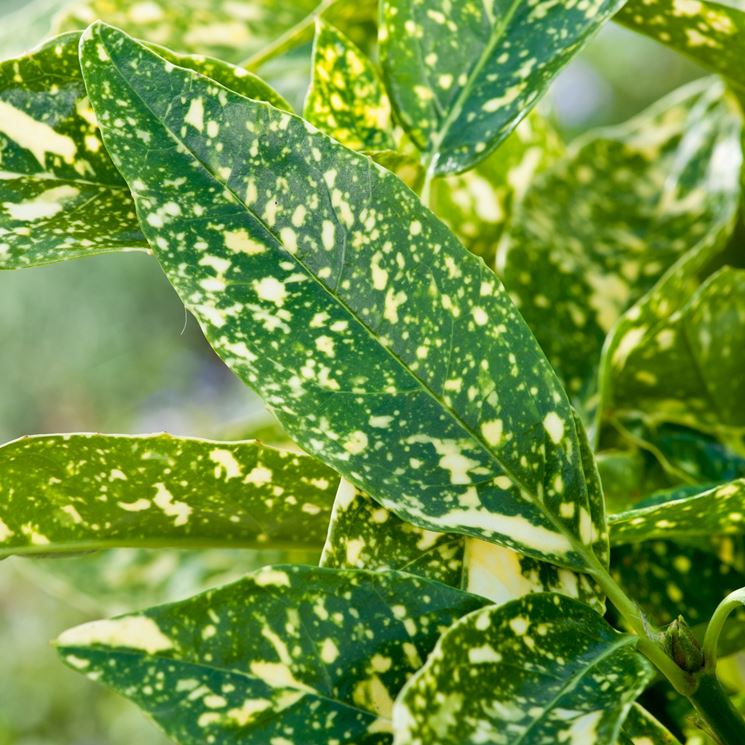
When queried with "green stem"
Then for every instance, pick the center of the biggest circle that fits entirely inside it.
(291, 38)
(715, 708)
(716, 624)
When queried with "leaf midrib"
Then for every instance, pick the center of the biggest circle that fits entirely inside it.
(583, 550)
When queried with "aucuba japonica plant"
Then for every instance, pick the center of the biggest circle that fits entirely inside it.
(507, 371)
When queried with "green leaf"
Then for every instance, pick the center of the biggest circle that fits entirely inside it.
(286, 655)
(717, 510)
(380, 343)
(230, 31)
(641, 728)
(710, 33)
(61, 197)
(521, 672)
(462, 75)
(365, 535)
(683, 367)
(478, 204)
(595, 232)
(346, 98)
(67, 493)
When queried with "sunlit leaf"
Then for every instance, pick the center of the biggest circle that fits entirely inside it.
(67, 493)
(711, 33)
(462, 75)
(327, 286)
(521, 672)
(61, 197)
(289, 654)
(596, 231)
(717, 510)
(346, 98)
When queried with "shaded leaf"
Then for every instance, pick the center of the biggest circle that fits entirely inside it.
(462, 75)
(641, 728)
(553, 684)
(61, 197)
(395, 328)
(597, 230)
(717, 510)
(67, 493)
(365, 535)
(710, 33)
(346, 98)
(289, 652)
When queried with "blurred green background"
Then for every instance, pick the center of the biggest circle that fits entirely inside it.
(105, 345)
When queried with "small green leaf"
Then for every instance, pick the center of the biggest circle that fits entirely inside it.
(641, 728)
(718, 510)
(289, 654)
(61, 197)
(67, 493)
(521, 672)
(683, 367)
(346, 98)
(365, 535)
(462, 75)
(596, 231)
(711, 33)
(380, 343)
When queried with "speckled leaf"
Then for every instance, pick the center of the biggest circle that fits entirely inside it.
(347, 99)
(477, 204)
(325, 284)
(365, 535)
(717, 510)
(67, 493)
(685, 367)
(711, 33)
(542, 670)
(60, 195)
(462, 75)
(290, 654)
(227, 30)
(595, 232)
(641, 728)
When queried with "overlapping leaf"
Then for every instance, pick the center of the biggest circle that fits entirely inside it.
(595, 232)
(717, 510)
(641, 728)
(711, 33)
(324, 283)
(522, 672)
(365, 535)
(684, 366)
(347, 98)
(462, 75)
(63, 493)
(61, 197)
(290, 654)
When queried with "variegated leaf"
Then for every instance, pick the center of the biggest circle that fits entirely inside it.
(365, 535)
(553, 684)
(641, 728)
(68, 493)
(575, 260)
(61, 197)
(717, 510)
(462, 75)
(290, 654)
(396, 330)
(711, 33)
(347, 99)
(478, 204)
(682, 364)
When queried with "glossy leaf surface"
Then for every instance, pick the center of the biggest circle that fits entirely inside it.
(288, 654)
(544, 669)
(67, 493)
(462, 75)
(394, 326)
